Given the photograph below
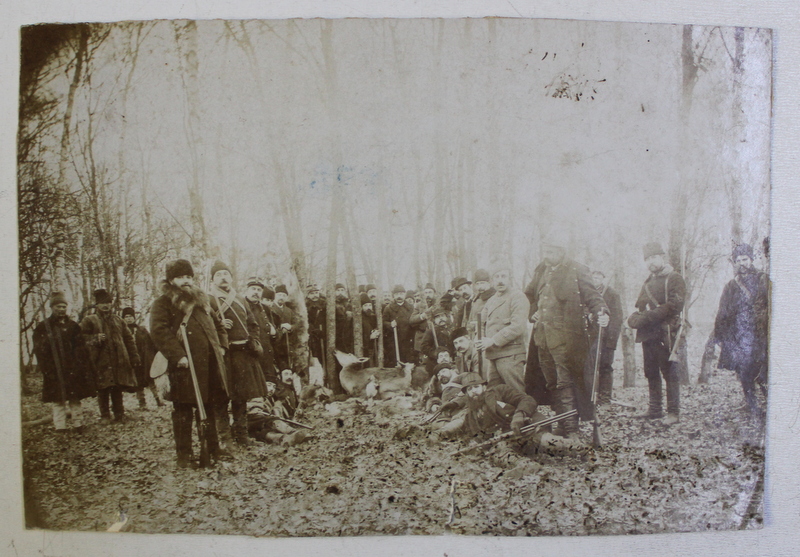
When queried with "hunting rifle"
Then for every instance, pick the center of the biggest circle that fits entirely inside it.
(202, 417)
(597, 440)
(530, 428)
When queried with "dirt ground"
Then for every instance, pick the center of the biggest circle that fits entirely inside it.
(369, 469)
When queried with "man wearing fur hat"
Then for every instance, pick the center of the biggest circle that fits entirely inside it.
(505, 318)
(397, 316)
(246, 379)
(561, 294)
(208, 340)
(147, 351)
(742, 325)
(657, 321)
(113, 353)
(266, 329)
(63, 359)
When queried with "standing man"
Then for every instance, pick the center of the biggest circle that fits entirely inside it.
(561, 293)
(421, 319)
(344, 320)
(63, 359)
(610, 338)
(245, 379)
(742, 325)
(505, 316)
(113, 353)
(657, 322)
(463, 306)
(147, 351)
(288, 324)
(181, 301)
(483, 291)
(266, 328)
(397, 316)
(370, 334)
(317, 323)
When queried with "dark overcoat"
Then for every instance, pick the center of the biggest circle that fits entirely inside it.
(114, 358)
(659, 307)
(73, 355)
(573, 289)
(405, 334)
(147, 351)
(742, 323)
(267, 358)
(207, 339)
(245, 377)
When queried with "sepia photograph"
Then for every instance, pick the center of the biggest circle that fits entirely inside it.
(358, 277)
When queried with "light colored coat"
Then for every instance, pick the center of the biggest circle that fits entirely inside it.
(506, 316)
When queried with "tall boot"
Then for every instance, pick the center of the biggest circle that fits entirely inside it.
(654, 411)
(142, 400)
(606, 382)
(182, 430)
(102, 403)
(217, 452)
(154, 390)
(225, 440)
(239, 428)
(674, 396)
(568, 402)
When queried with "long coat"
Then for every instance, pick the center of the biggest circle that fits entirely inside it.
(147, 351)
(344, 327)
(267, 359)
(615, 319)
(73, 355)
(115, 357)
(282, 352)
(317, 327)
(207, 339)
(576, 296)
(742, 322)
(405, 335)
(246, 380)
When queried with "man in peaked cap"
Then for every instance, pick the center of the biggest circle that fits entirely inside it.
(657, 322)
(396, 315)
(742, 325)
(246, 379)
(561, 293)
(112, 349)
(63, 359)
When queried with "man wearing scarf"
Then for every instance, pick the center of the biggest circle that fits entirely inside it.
(246, 380)
(742, 325)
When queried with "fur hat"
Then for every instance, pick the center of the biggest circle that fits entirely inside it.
(458, 332)
(471, 379)
(312, 288)
(101, 296)
(398, 288)
(652, 248)
(128, 311)
(411, 293)
(369, 287)
(365, 299)
(179, 268)
(281, 288)
(499, 264)
(429, 286)
(219, 266)
(255, 281)
(339, 285)
(481, 275)
(57, 298)
(743, 249)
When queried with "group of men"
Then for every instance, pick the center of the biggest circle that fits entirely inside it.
(224, 348)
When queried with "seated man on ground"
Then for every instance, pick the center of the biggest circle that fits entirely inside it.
(263, 414)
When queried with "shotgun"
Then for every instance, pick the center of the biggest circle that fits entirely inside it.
(202, 417)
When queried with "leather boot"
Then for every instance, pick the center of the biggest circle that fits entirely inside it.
(654, 411)
(568, 402)
(239, 428)
(225, 439)
(212, 437)
(606, 381)
(182, 430)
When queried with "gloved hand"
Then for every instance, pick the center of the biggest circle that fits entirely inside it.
(517, 422)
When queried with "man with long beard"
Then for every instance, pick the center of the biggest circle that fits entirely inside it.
(244, 349)
(181, 301)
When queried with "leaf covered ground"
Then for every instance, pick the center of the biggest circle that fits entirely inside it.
(369, 469)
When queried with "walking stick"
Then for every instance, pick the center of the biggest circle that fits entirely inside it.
(396, 344)
(202, 422)
(597, 439)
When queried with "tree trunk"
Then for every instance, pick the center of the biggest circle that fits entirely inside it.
(628, 341)
(352, 286)
(331, 375)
